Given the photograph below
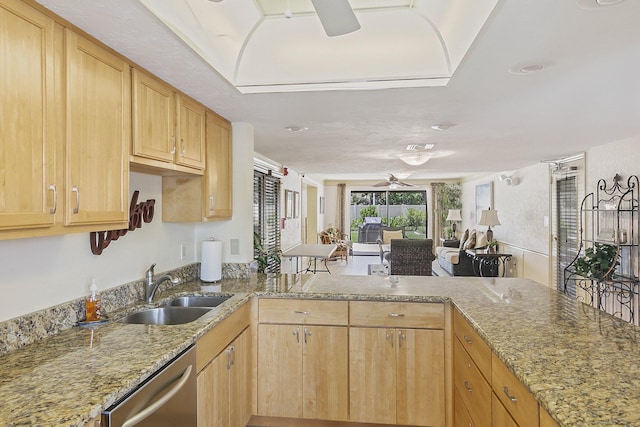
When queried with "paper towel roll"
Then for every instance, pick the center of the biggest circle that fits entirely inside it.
(211, 265)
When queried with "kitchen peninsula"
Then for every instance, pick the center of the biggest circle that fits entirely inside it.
(578, 363)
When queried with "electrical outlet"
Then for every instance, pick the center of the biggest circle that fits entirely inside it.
(183, 251)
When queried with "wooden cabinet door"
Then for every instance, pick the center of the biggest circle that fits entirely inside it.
(500, 417)
(240, 381)
(27, 147)
(280, 370)
(213, 392)
(325, 389)
(98, 134)
(372, 375)
(218, 197)
(420, 374)
(190, 133)
(153, 118)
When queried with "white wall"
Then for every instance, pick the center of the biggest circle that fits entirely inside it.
(45, 271)
(604, 161)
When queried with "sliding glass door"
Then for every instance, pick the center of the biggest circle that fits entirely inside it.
(406, 209)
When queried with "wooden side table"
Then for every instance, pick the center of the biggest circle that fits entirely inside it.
(488, 262)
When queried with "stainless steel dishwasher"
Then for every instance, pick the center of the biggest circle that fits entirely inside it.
(168, 399)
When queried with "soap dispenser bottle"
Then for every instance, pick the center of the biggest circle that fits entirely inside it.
(92, 303)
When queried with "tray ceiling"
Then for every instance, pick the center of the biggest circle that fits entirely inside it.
(402, 43)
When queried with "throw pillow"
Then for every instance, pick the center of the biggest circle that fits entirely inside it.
(464, 238)
(471, 241)
(481, 240)
(388, 235)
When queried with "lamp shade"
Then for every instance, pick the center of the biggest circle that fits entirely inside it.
(454, 215)
(489, 218)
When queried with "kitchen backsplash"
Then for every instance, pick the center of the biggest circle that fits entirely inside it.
(20, 331)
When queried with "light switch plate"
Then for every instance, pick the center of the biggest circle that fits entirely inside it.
(234, 246)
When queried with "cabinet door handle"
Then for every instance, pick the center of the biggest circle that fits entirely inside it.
(307, 333)
(75, 189)
(511, 398)
(468, 340)
(389, 336)
(296, 333)
(210, 202)
(396, 315)
(233, 355)
(229, 363)
(401, 337)
(182, 147)
(468, 386)
(52, 187)
(302, 312)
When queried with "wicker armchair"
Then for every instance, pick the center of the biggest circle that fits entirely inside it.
(333, 236)
(411, 257)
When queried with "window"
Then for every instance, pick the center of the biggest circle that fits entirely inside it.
(394, 208)
(266, 216)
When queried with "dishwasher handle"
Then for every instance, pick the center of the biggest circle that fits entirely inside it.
(164, 399)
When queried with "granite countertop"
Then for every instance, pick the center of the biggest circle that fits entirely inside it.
(579, 363)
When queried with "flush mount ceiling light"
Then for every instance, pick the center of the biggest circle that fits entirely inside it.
(415, 159)
(296, 128)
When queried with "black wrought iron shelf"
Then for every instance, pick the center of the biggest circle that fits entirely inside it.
(618, 292)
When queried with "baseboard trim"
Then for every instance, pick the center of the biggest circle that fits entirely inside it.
(260, 421)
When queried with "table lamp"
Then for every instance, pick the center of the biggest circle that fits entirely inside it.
(489, 218)
(454, 216)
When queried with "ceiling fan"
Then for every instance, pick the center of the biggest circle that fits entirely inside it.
(336, 16)
(393, 182)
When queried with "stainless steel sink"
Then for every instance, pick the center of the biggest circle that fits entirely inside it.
(165, 316)
(198, 301)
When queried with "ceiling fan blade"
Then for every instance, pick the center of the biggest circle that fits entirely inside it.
(336, 16)
(382, 184)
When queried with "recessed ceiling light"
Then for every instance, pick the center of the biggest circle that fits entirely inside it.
(597, 4)
(442, 126)
(526, 69)
(296, 128)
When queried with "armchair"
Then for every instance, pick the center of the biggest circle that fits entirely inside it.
(386, 234)
(410, 257)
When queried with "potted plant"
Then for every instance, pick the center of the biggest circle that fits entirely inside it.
(263, 256)
(492, 246)
(598, 262)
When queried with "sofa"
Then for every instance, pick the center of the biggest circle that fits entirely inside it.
(455, 260)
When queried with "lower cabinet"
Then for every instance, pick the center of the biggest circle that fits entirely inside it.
(397, 374)
(225, 360)
(302, 371)
(303, 359)
(224, 386)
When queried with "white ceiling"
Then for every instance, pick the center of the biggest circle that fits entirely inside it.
(588, 93)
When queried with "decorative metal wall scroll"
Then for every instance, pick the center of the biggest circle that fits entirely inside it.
(138, 212)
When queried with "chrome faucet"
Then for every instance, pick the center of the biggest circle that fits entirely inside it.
(151, 285)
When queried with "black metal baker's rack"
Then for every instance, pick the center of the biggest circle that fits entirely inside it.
(610, 216)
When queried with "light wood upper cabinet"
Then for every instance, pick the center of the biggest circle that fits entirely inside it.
(190, 135)
(29, 190)
(206, 198)
(98, 134)
(154, 122)
(218, 182)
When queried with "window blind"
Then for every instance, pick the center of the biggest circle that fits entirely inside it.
(266, 215)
